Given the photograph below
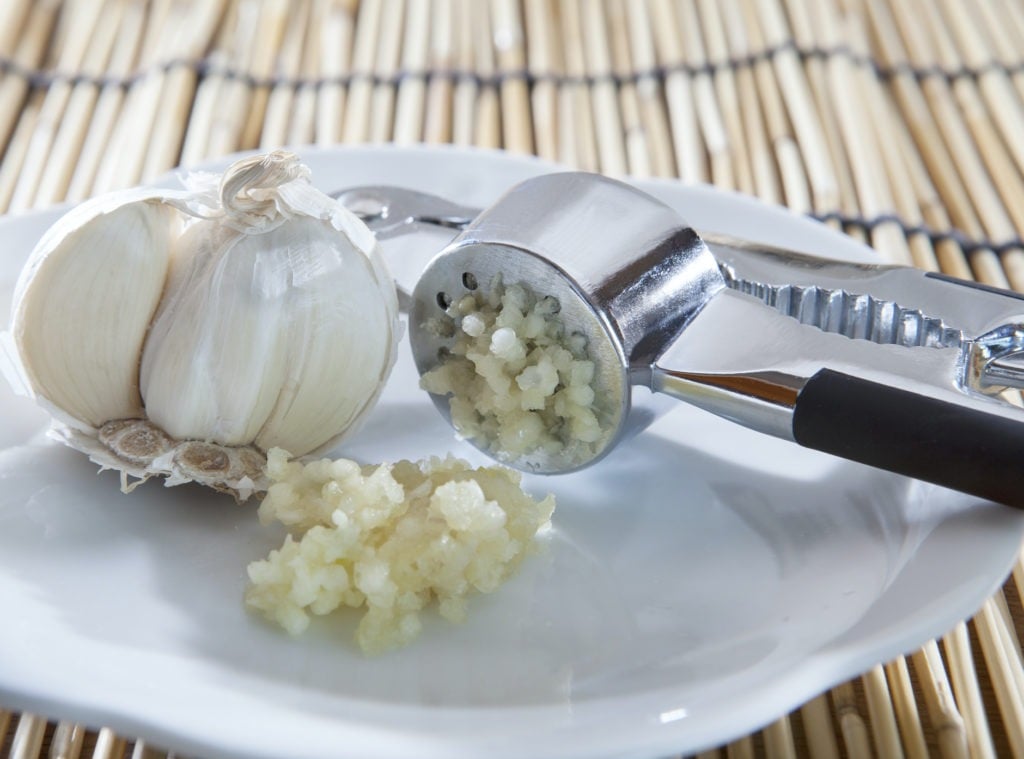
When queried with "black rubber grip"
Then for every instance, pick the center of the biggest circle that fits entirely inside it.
(915, 435)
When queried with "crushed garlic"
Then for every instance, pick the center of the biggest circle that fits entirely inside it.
(390, 538)
(521, 385)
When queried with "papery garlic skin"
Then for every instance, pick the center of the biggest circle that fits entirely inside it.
(184, 333)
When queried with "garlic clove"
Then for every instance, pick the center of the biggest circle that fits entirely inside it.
(80, 354)
(213, 361)
(279, 322)
(259, 341)
(337, 368)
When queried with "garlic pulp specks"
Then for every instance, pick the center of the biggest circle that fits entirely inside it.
(184, 333)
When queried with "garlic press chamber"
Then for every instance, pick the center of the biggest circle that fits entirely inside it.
(889, 366)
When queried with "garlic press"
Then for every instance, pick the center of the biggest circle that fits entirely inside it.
(888, 366)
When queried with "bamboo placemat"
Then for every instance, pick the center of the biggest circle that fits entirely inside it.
(899, 122)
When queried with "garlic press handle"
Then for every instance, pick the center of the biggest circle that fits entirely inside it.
(889, 406)
(888, 304)
(391, 211)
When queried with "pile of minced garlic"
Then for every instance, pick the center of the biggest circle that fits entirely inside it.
(391, 538)
(521, 387)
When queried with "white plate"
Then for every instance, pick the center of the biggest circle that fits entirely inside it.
(700, 582)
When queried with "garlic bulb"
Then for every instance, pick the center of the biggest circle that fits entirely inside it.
(184, 333)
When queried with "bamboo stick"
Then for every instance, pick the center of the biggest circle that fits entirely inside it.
(286, 69)
(709, 116)
(541, 60)
(67, 741)
(29, 55)
(437, 122)
(142, 750)
(360, 93)
(87, 52)
(974, 49)
(260, 54)
(796, 192)
(951, 123)
(219, 125)
(856, 737)
(905, 707)
(1013, 19)
(1004, 177)
(1000, 667)
(606, 113)
(5, 722)
(634, 138)
(465, 95)
(412, 90)
(755, 135)
(649, 91)
(65, 25)
(486, 111)
(857, 135)
(881, 713)
(894, 166)
(28, 737)
(800, 106)
(214, 124)
(727, 93)
(13, 16)
(1017, 573)
(507, 36)
(389, 48)
(685, 130)
(778, 740)
(1000, 41)
(302, 124)
(947, 254)
(108, 103)
(63, 155)
(14, 157)
(578, 141)
(109, 745)
(200, 123)
(964, 678)
(817, 721)
(144, 102)
(813, 24)
(1000, 29)
(1013, 265)
(987, 268)
(918, 118)
(941, 707)
(638, 159)
(132, 128)
(1002, 606)
(875, 192)
(335, 50)
(195, 32)
(214, 85)
(742, 748)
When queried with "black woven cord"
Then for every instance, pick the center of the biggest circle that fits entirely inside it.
(43, 78)
(967, 244)
(204, 68)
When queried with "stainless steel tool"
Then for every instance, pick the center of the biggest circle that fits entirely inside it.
(888, 366)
